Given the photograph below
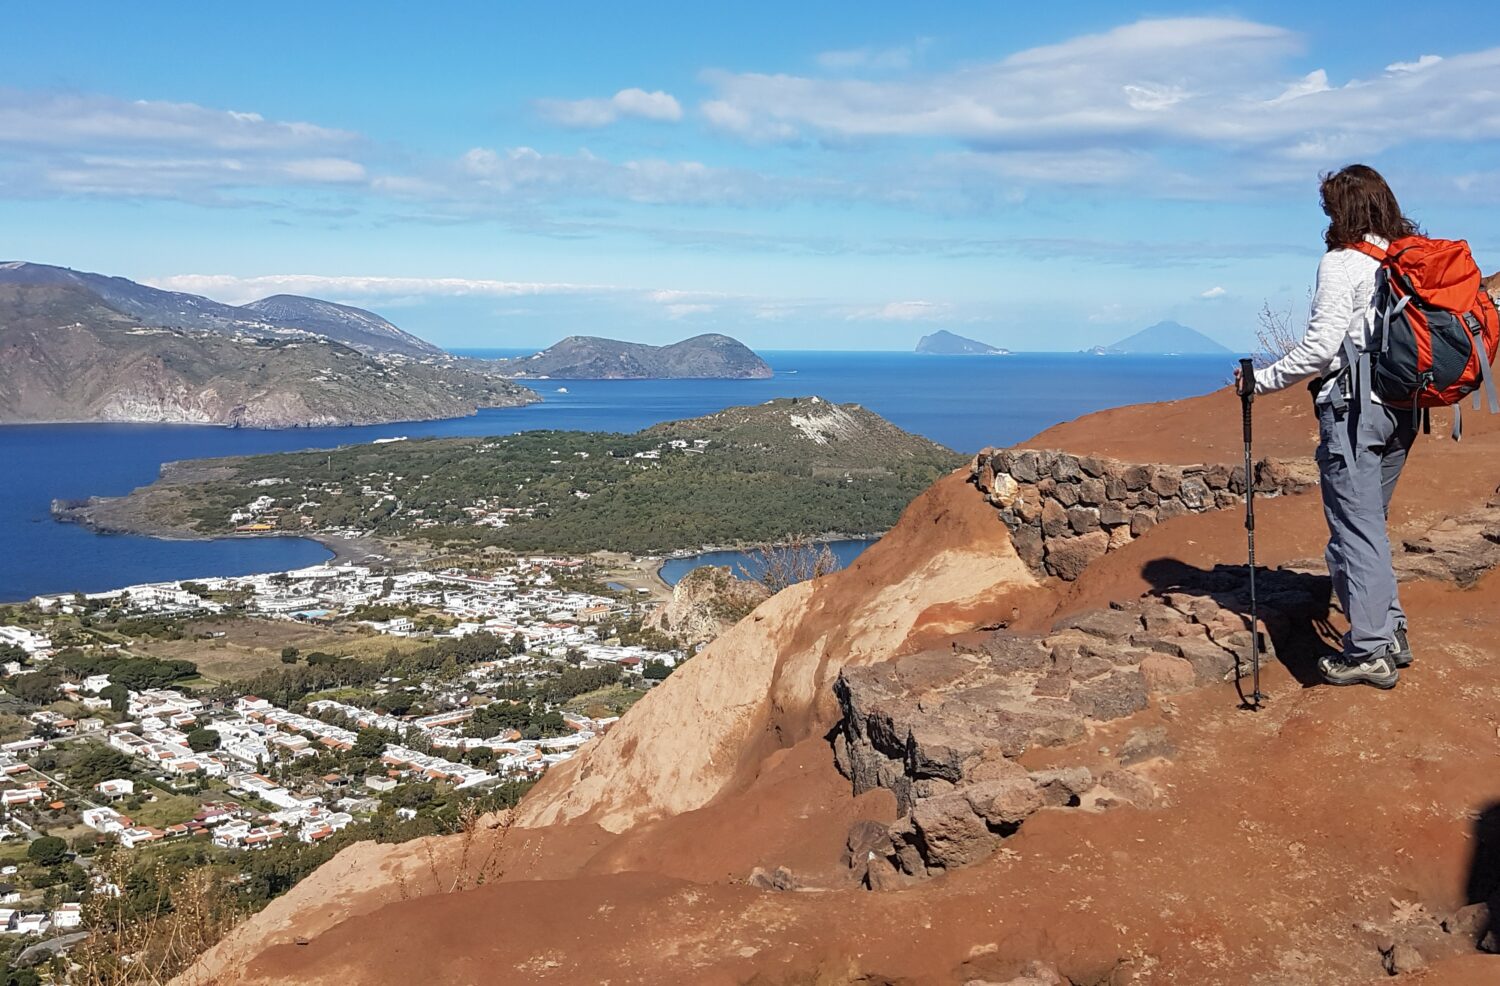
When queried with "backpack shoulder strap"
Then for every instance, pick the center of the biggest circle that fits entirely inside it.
(1370, 250)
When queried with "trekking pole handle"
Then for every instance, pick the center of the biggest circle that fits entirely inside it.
(1246, 389)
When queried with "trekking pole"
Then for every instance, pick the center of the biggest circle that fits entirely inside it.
(1246, 390)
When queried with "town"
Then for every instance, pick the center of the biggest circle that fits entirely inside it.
(487, 679)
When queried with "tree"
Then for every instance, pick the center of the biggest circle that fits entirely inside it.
(480, 756)
(546, 724)
(369, 744)
(98, 763)
(500, 717)
(397, 703)
(656, 670)
(37, 688)
(48, 850)
(201, 740)
(118, 697)
(289, 655)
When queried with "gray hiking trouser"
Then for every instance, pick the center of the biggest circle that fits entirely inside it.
(1356, 502)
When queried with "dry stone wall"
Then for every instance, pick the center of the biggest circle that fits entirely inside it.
(942, 729)
(1066, 510)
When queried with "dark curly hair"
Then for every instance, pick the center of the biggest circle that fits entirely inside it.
(1357, 201)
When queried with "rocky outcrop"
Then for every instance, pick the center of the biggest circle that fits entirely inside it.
(705, 602)
(1459, 549)
(941, 730)
(766, 683)
(1066, 510)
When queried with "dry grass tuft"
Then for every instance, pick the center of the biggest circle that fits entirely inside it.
(146, 938)
(795, 560)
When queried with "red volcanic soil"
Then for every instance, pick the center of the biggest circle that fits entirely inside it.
(1289, 845)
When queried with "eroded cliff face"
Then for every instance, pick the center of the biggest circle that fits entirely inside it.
(766, 683)
(705, 602)
(1040, 777)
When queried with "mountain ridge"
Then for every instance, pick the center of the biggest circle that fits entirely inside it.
(288, 316)
(340, 322)
(1165, 338)
(68, 356)
(710, 355)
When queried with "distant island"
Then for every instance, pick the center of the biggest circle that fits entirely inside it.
(790, 466)
(945, 343)
(80, 347)
(593, 358)
(1164, 339)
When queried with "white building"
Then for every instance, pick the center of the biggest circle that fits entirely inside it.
(118, 787)
(161, 703)
(105, 820)
(30, 642)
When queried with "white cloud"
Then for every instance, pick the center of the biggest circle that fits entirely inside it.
(899, 311)
(890, 59)
(1310, 84)
(1152, 98)
(237, 290)
(1214, 292)
(655, 105)
(589, 113)
(90, 144)
(325, 169)
(1426, 61)
(90, 121)
(384, 291)
(1195, 82)
(524, 172)
(1106, 84)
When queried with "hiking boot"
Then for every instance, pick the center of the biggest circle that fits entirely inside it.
(1378, 671)
(1401, 651)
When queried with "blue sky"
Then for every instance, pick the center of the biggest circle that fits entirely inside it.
(834, 176)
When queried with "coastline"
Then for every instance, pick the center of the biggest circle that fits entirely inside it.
(644, 572)
(295, 426)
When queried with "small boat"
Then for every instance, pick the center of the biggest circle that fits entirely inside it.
(562, 390)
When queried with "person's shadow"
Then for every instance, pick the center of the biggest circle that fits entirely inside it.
(1484, 867)
(1294, 606)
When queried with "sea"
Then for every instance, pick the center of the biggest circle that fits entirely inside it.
(963, 402)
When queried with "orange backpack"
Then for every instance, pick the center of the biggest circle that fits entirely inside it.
(1436, 329)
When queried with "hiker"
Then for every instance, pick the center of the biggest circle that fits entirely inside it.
(1362, 444)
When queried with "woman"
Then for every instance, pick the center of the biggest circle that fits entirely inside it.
(1359, 455)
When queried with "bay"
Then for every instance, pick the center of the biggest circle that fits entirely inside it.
(750, 564)
(964, 402)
